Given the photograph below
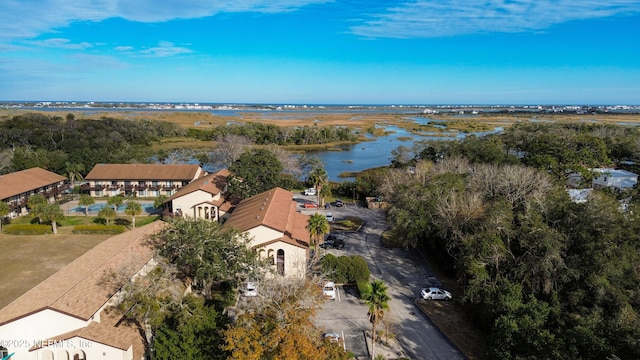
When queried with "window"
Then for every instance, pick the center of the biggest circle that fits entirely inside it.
(280, 265)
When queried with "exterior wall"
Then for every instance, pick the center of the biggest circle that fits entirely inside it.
(202, 211)
(25, 332)
(18, 203)
(295, 259)
(140, 188)
(86, 349)
(262, 234)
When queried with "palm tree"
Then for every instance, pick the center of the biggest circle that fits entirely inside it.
(107, 213)
(51, 213)
(86, 200)
(317, 226)
(133, 209)
(377, 299)
(115, 201)
(34, 203)
(4, 211)
(74, 171)
(319, 178)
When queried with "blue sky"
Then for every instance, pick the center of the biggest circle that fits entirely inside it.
(322, 51)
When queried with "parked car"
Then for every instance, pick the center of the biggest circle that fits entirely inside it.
(330, 217)
(334, 243)
(329, 290)
(338, 203)
(310, 192)
(310, 205)
(251, 290)
(331, 337)
(434, 293)
(331, 237)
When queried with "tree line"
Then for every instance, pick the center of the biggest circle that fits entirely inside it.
(543, 276)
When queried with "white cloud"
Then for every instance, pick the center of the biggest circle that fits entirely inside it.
(61, 44)
(30, 18)
(440, 18)
(165, 49)
(123, 48)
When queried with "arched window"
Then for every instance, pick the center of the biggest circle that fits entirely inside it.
(62, 355)
(272, 260)
(280, 264)
(79, 355)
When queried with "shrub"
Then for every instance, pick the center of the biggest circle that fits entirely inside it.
(345, 269)
(358, 270)
(364, 287)
(27, 229)
(99, 229)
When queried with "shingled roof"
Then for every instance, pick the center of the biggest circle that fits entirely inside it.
(275, 209)
(173, 172)
(75, 290)
(26, 180)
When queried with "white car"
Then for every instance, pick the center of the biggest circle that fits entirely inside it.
(331, 337)
(329, 290)
(329, 217)
(310, 192)
(251, 290)
(434, 293)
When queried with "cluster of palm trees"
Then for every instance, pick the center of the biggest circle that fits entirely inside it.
(109, 212)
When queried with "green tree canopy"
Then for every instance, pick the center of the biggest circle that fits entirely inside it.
(205, 252)
(86, 201)
(254, 172)
(107, 213)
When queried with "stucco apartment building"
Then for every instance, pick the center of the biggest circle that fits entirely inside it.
(140, 180)
(69, 315)
(277, 229)
(203, 198)
(17, 187)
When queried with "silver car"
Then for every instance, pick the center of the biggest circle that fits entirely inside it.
(434, 293)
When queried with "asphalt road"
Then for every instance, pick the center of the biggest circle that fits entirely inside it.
(405, 272)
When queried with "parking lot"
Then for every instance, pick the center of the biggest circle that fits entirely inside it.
(405, 272)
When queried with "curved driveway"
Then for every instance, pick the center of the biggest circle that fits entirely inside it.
(405, 273)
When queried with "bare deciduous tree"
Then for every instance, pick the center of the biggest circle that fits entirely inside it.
(229, 149)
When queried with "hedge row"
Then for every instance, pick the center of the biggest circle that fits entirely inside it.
(27, 229)
(345, 269)
(99, 229)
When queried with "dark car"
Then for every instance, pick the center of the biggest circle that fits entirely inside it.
(333, 243)
(339, 203)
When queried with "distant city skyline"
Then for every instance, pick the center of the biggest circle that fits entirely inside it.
(322, 52)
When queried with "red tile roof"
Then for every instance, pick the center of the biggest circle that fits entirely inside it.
(173, 172)
(213, 184)
(275, 209)
(26, 180)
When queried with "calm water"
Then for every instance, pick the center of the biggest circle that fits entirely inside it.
(377, 153)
